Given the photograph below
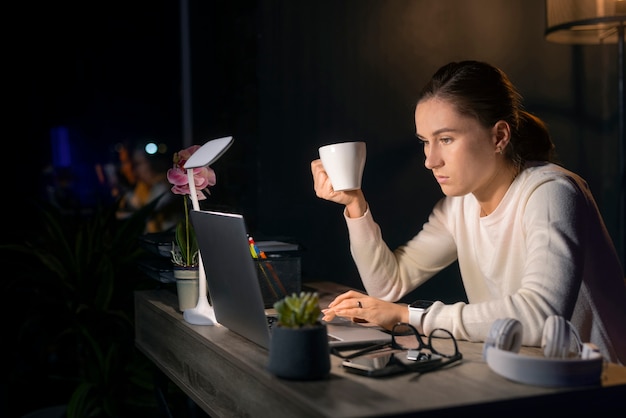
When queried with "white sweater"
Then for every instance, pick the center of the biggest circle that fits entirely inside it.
(544, 251)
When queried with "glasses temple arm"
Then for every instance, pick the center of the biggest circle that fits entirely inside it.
(358, 353)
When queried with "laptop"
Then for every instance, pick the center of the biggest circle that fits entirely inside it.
(234, 286)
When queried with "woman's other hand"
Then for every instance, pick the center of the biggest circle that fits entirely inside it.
(360, 307)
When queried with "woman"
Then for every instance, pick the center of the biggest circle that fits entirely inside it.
(150, 173)
(527, 233)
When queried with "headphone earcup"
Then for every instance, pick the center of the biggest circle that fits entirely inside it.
(504, 334)
(555, 340)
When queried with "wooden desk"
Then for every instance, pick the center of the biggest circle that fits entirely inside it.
(226, 375)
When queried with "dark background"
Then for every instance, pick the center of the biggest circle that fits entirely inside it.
(285, 77)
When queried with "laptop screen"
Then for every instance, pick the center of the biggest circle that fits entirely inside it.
(232, 281)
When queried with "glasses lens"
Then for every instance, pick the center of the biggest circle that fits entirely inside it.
(405, 337)
(442, 342)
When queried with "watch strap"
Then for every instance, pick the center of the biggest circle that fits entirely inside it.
(416, 317)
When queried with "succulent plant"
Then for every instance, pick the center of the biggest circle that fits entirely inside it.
(298, 310)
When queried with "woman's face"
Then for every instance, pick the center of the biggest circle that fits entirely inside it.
(460, 152)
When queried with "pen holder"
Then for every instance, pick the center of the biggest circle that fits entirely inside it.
(279, 276)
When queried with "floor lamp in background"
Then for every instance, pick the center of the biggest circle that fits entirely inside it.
(596, 22)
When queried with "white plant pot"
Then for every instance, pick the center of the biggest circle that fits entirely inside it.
(187, 285)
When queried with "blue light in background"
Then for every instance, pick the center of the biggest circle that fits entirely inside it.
(60, 144)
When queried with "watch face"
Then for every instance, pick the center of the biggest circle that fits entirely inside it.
(421, 304)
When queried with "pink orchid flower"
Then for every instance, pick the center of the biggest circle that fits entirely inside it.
(203, 176)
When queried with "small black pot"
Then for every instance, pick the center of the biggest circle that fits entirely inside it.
(299, 353)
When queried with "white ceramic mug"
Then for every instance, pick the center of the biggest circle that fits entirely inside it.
(344, 163)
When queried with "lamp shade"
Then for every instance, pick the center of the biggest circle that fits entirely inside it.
(584, 21)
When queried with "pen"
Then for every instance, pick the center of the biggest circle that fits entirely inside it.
(252, 248)
(276, 278)
(255, 254)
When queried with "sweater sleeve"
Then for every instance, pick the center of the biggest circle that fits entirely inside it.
(389, 275)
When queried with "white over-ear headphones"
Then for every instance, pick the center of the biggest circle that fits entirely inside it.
(557, 368)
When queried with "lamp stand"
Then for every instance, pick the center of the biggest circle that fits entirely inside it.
(622, 145)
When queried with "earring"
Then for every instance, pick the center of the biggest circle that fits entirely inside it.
(499, 150)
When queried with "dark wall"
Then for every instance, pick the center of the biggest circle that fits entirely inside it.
(284, 77)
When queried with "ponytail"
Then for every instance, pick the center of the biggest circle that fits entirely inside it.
(532, 140)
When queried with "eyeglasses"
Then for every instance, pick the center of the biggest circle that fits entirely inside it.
(440, 342)
(405, 337)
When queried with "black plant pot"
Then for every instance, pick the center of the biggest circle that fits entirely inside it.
(299, 354)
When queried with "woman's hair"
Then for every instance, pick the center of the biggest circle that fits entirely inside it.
(484, 92)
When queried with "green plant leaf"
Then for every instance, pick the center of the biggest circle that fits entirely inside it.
(298, 310)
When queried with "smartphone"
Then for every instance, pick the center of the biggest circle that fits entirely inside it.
(389, 363)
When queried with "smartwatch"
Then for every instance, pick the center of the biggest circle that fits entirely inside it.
(417, 310)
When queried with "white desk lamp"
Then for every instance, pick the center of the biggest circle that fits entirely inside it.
(207, 154)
